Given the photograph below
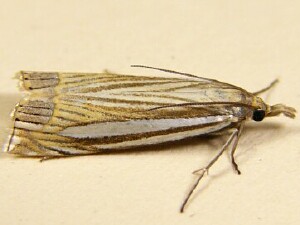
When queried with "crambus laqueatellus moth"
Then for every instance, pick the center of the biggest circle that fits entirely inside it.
(67, 114)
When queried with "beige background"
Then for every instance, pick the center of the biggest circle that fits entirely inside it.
(248, 43)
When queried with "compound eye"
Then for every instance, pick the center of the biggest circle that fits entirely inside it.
(258, 115)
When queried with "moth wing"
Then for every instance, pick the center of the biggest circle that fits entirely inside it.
(71, 113)
(62, 82)
(43, 134)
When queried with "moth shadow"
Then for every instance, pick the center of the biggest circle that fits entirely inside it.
(7, 102)
(253, 136)
(256, 134)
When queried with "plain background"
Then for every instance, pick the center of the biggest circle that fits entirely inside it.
(247, 43)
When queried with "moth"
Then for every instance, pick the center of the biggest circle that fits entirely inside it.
(72, 114)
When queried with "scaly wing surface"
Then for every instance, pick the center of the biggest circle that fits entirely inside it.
(85, 113)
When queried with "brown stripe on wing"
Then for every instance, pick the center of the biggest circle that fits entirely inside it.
(124, 85)
(90, 113)
(107, 78)
(75, 98)
(154, 95)
(139, 136)
(35, 111)
(38, 80)
(45, 144)
(35, 143)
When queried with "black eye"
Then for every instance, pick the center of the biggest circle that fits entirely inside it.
(258, 115)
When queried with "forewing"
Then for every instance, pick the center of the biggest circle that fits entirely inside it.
(71, 113)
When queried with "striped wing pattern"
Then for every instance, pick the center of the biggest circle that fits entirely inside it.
(86, 113)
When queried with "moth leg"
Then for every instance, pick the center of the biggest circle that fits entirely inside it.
(205, 169)
(232, 151)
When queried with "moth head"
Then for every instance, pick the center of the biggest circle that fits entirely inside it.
(262, 110)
